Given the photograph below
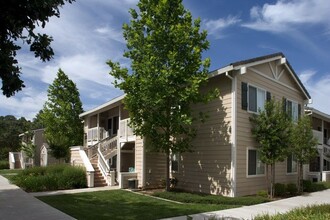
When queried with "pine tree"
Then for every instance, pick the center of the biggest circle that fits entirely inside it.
(60, 116)
(165, 47)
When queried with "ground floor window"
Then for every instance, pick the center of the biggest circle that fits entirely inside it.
(255, 166)
(314, 165)
(291, 164)
(175, 163)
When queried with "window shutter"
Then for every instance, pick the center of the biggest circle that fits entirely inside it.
(284, 104)
(268, 96)
(299, 111)
(244, 96)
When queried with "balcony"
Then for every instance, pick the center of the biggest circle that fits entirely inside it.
(319, 136)
(96, 134)
(126, 133)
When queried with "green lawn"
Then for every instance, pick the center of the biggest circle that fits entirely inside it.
(121, 204)
(7, 172)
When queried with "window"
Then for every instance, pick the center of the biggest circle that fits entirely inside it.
(293, 109)
(253, 98)
(255, 166)
(113, 125)
(257, 98)
(291, 164)
(175, 163)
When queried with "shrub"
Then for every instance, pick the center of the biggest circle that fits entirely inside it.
(307, 185)
(4, 164)
(55, 177)
(280, 189)
(292, 189)
(262, 193)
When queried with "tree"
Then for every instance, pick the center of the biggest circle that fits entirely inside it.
(10, 128)
(60, 116)
(272, 130)
(29, 148)
(165, 47)
(37, 121)
(303, 146)
(18, 20)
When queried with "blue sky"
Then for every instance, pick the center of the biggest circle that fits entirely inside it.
(89, 33)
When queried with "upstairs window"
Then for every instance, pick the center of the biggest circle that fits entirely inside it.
(293, 109)
(253, 98)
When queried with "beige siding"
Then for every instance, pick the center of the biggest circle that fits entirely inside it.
(155, 169)
(75, 158)
(208, 168)
(139, 160)
(251, 185)
(124, 112)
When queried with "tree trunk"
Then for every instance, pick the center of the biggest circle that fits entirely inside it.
(300, 178)
(272, 180)
(167, 171)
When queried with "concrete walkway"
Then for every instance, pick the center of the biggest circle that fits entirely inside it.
(279, 206)
(18, 204)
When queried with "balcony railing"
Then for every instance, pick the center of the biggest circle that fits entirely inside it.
(96, 134)
(125, 131)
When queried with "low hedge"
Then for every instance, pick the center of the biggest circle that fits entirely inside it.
(4, 164)
(55, 177)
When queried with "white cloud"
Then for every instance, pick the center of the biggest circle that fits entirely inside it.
(284, 15)
(319, 89)
(110, 33)
(215, 27)
(27, 103)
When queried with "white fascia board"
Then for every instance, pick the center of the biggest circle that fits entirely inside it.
(100, 107)
(221, 71)
(257, 62)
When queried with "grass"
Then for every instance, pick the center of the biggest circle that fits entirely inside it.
(120, 204)
(210, 199)
(319, 212)
(6, 172)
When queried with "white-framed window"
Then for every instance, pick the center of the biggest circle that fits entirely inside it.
(175, 159)
(113, 123)
(254, 165)
(292, 109)
(291, 164)
(256, 98)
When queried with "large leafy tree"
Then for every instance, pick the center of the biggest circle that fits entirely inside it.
(10, 128)
(303, 145)
(272, 130)
(18, 20)
(165, 47)
(60, 116)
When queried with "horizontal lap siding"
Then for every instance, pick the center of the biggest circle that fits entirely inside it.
(208, 168)
(251, 185)
(139, 159)
(155, 169)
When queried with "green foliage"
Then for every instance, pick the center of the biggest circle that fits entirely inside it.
(303, 145)
(28, 147)
(10, 128)
(309, 186)
(54, 177)
(292, 189)
(209, 199)
(165, 47)
(4, 164)
(262, 193)
(320, 212)
(18, 22)
(280, 189)
(60, 116)
(272, 130)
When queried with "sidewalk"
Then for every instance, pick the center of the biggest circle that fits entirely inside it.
(279, 206)
(17, 204)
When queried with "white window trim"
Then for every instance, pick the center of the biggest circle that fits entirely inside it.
(293, 102)
(247, 165)
(178, 160)
(248, 97)
(286, 167)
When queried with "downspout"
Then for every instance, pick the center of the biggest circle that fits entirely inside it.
(233, 133)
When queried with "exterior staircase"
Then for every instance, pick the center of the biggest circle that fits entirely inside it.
(99, 181)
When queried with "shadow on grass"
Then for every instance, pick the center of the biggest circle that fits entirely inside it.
(119, 204)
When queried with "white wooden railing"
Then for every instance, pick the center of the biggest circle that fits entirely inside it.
(96, 134)
(125, 130)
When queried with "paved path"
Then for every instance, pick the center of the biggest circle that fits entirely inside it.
(17, 204)
(279, 206)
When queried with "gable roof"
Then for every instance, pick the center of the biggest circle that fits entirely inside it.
(243, 64)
